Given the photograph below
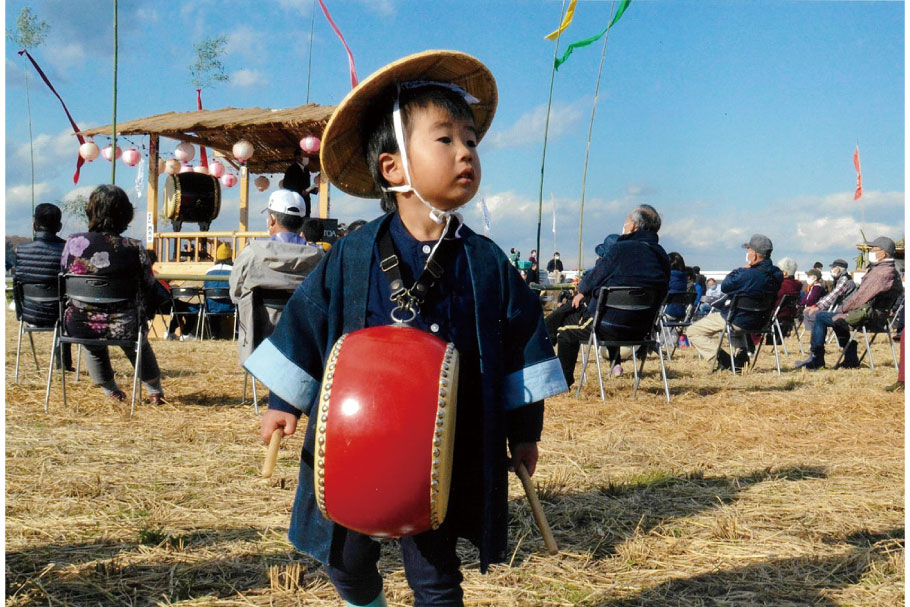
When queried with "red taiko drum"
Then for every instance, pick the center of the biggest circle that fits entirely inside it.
(192, 197)
(386, 431)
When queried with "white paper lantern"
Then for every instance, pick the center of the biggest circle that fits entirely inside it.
(243, 150)
(216, 169)
(110, 154)
(228, 180)
(131, 157)
(262, 183)
(201, 169)
(89, 151)
(310, 144)
(185, 152)
(172, 166)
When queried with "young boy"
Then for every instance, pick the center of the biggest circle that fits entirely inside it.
(408, 134)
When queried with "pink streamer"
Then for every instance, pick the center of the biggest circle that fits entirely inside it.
(338, 32)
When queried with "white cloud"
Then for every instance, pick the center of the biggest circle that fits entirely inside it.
(529, 128)
(247, 42)
(829, 233)
(68, 55)
(246, 78)
(22, 194)
(842, 201)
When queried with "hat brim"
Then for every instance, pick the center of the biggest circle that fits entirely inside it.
(342, 156)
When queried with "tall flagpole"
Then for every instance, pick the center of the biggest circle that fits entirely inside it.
(584, 177)
(546, 130)
(114, 120)
(309, 68)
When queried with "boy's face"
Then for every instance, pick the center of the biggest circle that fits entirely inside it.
(442, 153)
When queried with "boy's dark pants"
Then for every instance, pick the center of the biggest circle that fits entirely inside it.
(431, 566)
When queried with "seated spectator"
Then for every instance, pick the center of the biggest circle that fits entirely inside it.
(313, 233)
(693, 283)
(223, 327)
(789, 286)
(815, 288)
(842, 289)
(279, 263)
(712, 294)
(880, 288)
(678, 284)
(757, 278)
(636, 260)
(103, 252)
(565, 310)
(532, 275)
(555, 269)
(38, 262)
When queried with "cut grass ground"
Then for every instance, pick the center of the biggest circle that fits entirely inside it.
(745, 491)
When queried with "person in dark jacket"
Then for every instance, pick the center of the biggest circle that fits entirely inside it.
(757, 278)
(635, 260)
(678, 283)
(297, 178)
(38, 262)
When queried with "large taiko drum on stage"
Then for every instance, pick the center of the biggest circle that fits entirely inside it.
(385, 431)
(192, 197)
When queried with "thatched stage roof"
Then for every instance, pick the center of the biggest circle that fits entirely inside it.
(274, 133)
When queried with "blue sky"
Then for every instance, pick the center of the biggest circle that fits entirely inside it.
(729, 117)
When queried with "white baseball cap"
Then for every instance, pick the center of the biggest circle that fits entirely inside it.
(287, 202)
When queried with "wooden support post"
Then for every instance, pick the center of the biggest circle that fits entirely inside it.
(244, 199)
(151, 220)
(324, 198)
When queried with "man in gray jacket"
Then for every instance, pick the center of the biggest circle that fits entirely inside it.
(280, 263)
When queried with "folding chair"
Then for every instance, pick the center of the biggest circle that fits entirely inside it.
(220, 295)
(263, 301)
(882, 321)
(39, 294)
(671, 328)
(646, 301)
(192, 297)
(787, 303)
(92, 289)
(764, 306)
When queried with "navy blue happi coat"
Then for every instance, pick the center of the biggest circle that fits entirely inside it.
(507, 366)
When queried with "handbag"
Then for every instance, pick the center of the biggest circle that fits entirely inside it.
(859, 315)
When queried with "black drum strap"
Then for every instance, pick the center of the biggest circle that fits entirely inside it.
(410, 298)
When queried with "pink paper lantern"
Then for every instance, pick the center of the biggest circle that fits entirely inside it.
(262, 183)
(310, 144)
(186, 169)
(216, 169)
(172, 166)
(131, 157)
(110, 154)
(185, 152)
(228, 180)
(201, 169)
(243, 150)
(89, 151)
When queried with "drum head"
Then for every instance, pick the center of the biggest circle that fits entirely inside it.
(193, 197)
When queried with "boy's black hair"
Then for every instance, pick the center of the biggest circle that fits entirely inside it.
(379, 131)
(47, 218)
(291, 223)
(108, 210)
(313, 230)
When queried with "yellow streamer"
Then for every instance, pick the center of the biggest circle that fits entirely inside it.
(566, 20)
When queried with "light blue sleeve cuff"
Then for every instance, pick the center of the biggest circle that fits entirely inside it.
(531, 384)
(283, 377)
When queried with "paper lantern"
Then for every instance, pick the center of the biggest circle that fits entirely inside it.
(262, 183)
(110, 154)
(172, 166)
(201, 169)
(186, 169)
(216, 169)
(243, 150)
(310, 144)
(131, 157)
(185, 152)
(228, 180)
(89, 151)
(161, 165)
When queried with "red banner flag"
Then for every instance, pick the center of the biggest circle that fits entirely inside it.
(859, 175)
(338, 32)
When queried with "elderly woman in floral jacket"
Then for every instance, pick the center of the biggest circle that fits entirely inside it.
(104, 252)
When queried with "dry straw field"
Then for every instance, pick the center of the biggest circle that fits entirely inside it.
(755, 490)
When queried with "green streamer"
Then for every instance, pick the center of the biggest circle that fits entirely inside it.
(589, 41)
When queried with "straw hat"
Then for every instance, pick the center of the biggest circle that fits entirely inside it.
(342, 156)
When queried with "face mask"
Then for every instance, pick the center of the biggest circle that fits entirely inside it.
(835, 272)
(556, 257)
(811, 280)
(877, 257)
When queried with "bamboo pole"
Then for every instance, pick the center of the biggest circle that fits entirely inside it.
(309, 68)
(584, 176)
(546, 129)
(31, 146)
(114, 119)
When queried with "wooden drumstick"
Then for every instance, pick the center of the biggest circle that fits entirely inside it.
(536, 508)
(272, 456)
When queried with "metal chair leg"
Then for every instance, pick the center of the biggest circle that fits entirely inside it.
(585, 354)
(730, 340)
(869, 347)
(137, 386)
(31, 341)
(19, 348)
(62, 372)
(600, 377)
(663, 372)
(50, 371)
(78, 363)
(891, 342)
(255, 396)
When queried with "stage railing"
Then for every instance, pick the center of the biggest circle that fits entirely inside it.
(200, 246)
